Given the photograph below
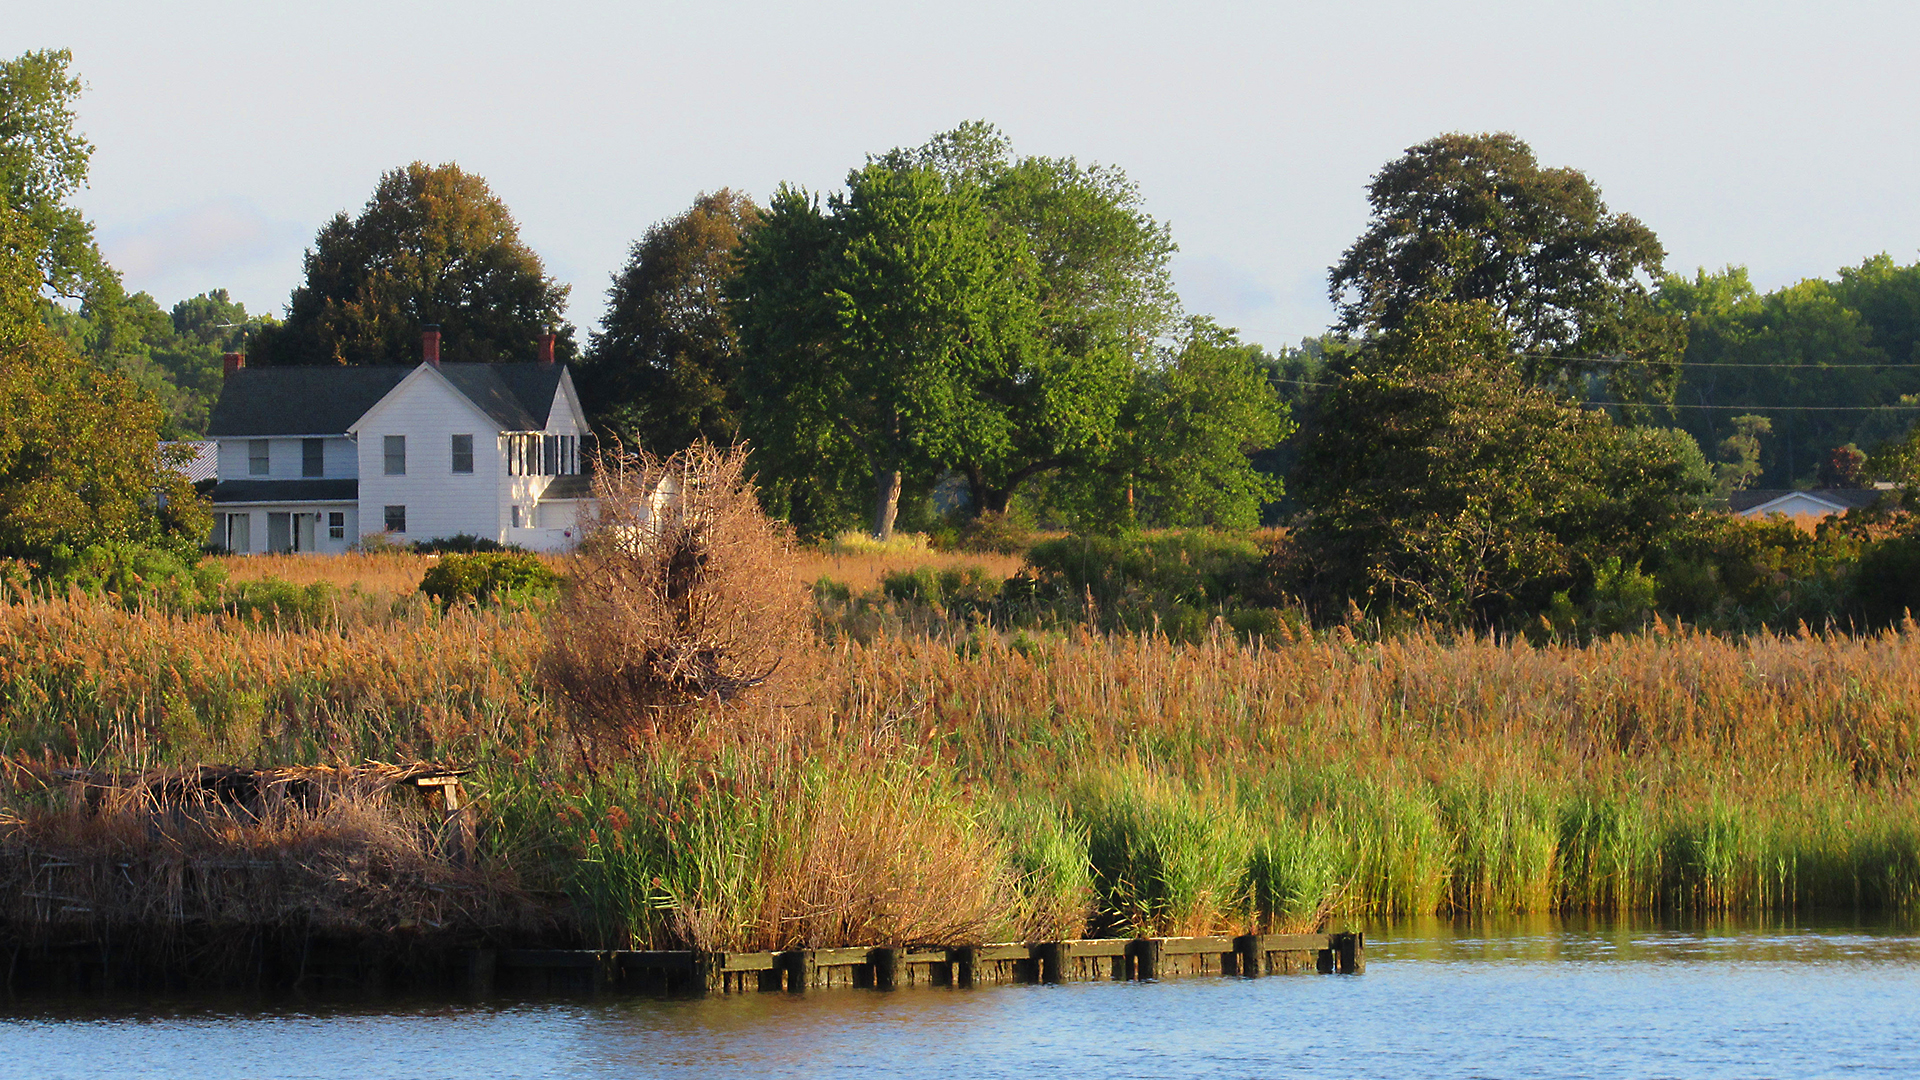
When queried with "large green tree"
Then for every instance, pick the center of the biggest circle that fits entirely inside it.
(962, 310)
(1102, 298)
(871, 325)
(660, 370)
(433, 246)
(43, 164)
(1182, 451)
(81, 462)
(1475, 218)
(1440, 481)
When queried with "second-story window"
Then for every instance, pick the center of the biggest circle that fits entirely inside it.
(313, 457)
(257, 459)
(463, 453)
(396, 447)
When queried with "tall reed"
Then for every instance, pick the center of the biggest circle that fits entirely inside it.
(930, 786)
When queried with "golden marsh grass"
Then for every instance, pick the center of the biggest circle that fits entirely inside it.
(923, 787)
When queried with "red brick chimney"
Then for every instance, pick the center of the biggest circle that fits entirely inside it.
(430, 345)
(546, 348)
(232, 362)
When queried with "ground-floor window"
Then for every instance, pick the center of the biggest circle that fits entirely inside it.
(336, 526)
(397, 519)
(240, 533)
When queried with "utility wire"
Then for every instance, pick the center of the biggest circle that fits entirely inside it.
(1708, 364)
(1717, 408)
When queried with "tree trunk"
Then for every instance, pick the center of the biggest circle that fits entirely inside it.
(984, 499)
(886, 503)
(976, 492)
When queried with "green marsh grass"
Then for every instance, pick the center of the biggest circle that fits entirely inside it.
(936, 785)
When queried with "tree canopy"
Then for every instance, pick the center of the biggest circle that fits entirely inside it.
(660, 369)
(1474, 218)
(962, 311)
(1439, 481)
(81, 461)
(908, 299)
(1182, 450)
(43, 164)
(1814, 359)
(172, 355)
(433, 247)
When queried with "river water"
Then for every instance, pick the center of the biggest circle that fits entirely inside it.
(1527, 998)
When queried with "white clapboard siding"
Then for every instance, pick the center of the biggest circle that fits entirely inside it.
(439, 502)
(285, 459)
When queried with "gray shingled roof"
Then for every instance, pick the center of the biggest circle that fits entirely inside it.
(299, 400)
(328, 400)
(517, 396)
(255, 491)
(1847, 497)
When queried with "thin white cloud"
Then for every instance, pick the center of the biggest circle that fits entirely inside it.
(223, 244)
(223, 235)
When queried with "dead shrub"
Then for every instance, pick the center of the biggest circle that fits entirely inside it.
(683, 596)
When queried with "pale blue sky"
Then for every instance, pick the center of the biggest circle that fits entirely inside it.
(1785, 137)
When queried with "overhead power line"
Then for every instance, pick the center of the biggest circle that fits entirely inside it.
(1714, 408)
(1709, 364)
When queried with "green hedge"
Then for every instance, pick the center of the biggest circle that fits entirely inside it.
(489, 577)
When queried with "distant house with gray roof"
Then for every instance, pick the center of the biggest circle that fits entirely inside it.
(1814, 503)
(310, 459)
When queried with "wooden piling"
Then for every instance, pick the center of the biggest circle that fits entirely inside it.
(966, 966)
(1253, 958)
(800, 969)
(1054, 957)
(886, 968)
(1145, 953)
(476, 971)
(1349, 953)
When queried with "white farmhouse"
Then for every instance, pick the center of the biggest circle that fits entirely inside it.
(313, 458)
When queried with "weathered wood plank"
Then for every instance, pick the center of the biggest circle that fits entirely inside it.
(1252, 958)
(550, 958)
(966, 966)
(1003, 951)
(886, 968)
(1349, 953)
(1054, 956)
(1195, 946)
(1293, 942)
(665, 959)
(841, 957)
(800, 970)
(1099, 946)
(477, 967)
(752, 961)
